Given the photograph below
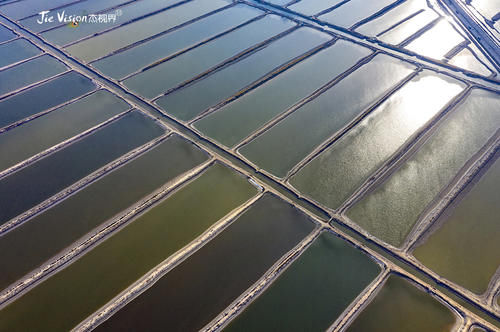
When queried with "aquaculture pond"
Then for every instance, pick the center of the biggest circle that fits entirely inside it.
(464, 245)
(401, 306)
(313, 292)
(354, 11)
(26, 247)
(338, 171)
(42, 179)
(17, 50)
(391, 210)
(311, 7)
(117, 262)
(203, 285)
(235, 121)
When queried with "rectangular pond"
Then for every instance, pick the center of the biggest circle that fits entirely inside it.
(224, 83)
(237, 120)
(6, 34)
(354, 11)
(17, 50)
(169, 74)
(133, 59)
(114, 264)
(463, 246)
(29, 72)
(313, 292)
(19, 9)
(335, 174)
(41, 133)
(28, 246)
(44, 96)
(391, 210)
(203, 285)
(311, 7)
(285, 144)
(401, 32)
(35, 183)
(401, 306)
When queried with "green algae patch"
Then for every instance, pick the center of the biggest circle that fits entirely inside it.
(401, 306)
(90, 282)
(312, 293)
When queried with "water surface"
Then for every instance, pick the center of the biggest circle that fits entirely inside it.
(113, 265)
(202, 286)
(401, 306)
(408, 28)
(20, 9)
(311, 7)
(6, 34)
(466, 59)
(17, 50)
(313, 291)
(354, 11)
(235, 121)
(391, 210)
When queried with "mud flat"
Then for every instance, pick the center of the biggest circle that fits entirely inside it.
(37, 182)
(117, 262)
(392, 209)
(209, 280)
(28, 246)
(312, 293)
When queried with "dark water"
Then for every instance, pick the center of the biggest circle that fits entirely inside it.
(37, 182)
(28, 246)
(44, 96)
(390, 211)
(169, 74)
(338, 171)
(400, 306)
(191, 295)
(29, 72)
(98, 46)
(41, 133)
(133, 59)
(6, 34)
(225, 83)
(17, 50)
(288, 142)
(313, 292)
(117, 262)
(465, 248)
(237, 120)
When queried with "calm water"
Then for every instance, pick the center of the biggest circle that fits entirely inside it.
(121, 64)
(169, 74)
(465, 249)
(37, 182)
(313, 292)
(225, 83)
(5, 34)
(43, 132)
(354, 11)
(96, 47)
(22, 9)
(44, 96)
(465, 59)
(28, 246)
(29, 72)
(390, 211)
(207, 282)
(311, 7)
(288, 142)
(401, 306)
(17, 50)
(338, 171)
(406, 29)
(237, 120)
(117, 262)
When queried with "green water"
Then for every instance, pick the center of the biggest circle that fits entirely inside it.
(391, 210)
(117, 262)
(16, 50)
(311, 7)
(291, 140)
(191, 295)
(6, 34)
(237, 120)
(354, 11)
(465, 248)
(27, 247)
(169, 44)
(337, 172)
(401, 306)
(42, 97)
(27, 140)
(29, 72)
(229, 81)
(98, 46)
(167, 75)
(37, 182)
(313, 292)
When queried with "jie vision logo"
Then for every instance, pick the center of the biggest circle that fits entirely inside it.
(74, 20)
